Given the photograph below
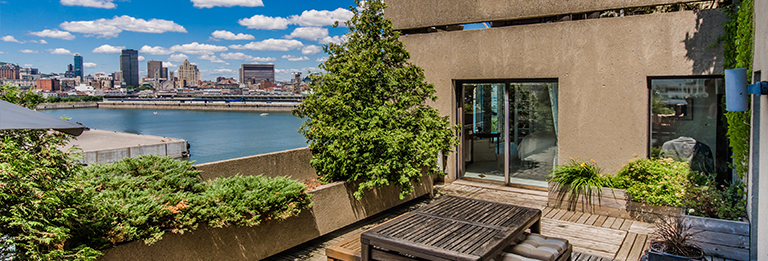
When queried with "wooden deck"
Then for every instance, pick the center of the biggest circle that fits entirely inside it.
(594, 237)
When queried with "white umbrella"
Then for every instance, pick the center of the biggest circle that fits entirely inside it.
(14, 117)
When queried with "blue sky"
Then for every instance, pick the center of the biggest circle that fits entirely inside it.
(217, 35)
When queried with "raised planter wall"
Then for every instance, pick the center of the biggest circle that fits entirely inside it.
(723, 238)
(293, 163)
(334, 207)
(615, 203)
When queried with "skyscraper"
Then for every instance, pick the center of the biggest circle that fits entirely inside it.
(79, 66)
(255, 73)
(155, 69)
(129, 66)
(188, 74)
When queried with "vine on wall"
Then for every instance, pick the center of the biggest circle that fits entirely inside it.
(738, 43)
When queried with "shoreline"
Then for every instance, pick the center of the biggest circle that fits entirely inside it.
(171, 105)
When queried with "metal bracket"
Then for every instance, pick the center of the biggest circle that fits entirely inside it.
(760, 88)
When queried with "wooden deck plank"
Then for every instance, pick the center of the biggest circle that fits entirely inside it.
(626, 246)
(591, 252)
(545, 211)
(609, 222)
(627, 224)
(583, 219)
(591, 220)
(599, 221)
(617, 224)
(575, 217)
(559, 214)
(638, 248)
(567, 215)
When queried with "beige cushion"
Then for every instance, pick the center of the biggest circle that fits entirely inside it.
(530, 251)
(557, 243)
(514, 257)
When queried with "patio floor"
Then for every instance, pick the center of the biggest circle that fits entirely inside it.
(594, 237)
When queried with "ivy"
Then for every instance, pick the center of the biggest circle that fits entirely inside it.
(368, 120)
(738, 45)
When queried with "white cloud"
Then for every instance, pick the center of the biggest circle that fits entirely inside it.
(113, 27)
(226, 3)
(295, 58)
(271, 45)
(334, 39)
(169, 64)
(43, 42)
(28, 65)
(321, 18)
(157, 50)
(311, 50)
(227, 35)
(197, 48)
(106, 4)
(309, 33)
(89, 65)
(245, 57)
(61, 51)
(212, 58)
(10, 39)
(55, 33)
(286, 74)
(178, 57)
(264, 22)
(322, 59)
(108, 49)
(28, 51)
(141, 58)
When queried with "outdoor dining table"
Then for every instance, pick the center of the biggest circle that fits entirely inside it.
(451, 228)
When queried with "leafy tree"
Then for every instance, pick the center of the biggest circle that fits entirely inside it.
(368, 120)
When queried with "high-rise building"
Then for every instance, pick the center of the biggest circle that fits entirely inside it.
(129, 66)
(78, 66)
(255, 73)
(155, 69)
(188, 74)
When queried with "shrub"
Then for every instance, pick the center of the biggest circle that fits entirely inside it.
(725, 202)
(578, 179)
(654, 181)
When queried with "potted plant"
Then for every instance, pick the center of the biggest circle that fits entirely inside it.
(578, 179)
(674, 241)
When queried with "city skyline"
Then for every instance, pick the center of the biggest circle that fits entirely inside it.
(217, 36)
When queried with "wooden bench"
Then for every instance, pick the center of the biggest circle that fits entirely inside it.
(345, 250)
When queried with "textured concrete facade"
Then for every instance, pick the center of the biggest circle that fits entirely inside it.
(290, 163)
(408, 14)
(601, 66)
(758, 188)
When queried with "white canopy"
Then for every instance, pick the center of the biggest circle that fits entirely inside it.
(14, 117)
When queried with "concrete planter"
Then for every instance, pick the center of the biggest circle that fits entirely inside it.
(614, 203)
(334, 207)
(722, 238)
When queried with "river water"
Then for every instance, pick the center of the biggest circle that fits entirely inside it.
(212, 135)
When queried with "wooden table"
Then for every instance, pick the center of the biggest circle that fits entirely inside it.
(452, 228)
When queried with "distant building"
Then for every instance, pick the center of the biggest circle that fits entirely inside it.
(50, 85)
(188, 74)
(129, 66)
(155, 70)
(10, 71)
(70, 73)
(251, 74)
(117, 77)
(78, 66)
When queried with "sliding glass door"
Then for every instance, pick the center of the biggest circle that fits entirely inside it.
(509, 131)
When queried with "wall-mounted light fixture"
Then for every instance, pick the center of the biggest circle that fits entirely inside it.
(736, 89)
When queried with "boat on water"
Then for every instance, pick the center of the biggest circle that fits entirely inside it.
(264, 114)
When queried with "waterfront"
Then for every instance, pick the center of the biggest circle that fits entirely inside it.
(212, 135)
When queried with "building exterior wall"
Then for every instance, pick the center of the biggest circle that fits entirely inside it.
(51, 85)
(129, 66)
(154, 68)
(78, 66)
(188, 74)
(255, 73)
(407, 14)
(10, 72)
(602, 67)
(758, 186)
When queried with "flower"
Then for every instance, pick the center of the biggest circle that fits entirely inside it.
(583, 164)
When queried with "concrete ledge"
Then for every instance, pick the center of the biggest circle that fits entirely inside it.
(272, 107)
(293, 163)
(67, 105)
(98, 146)
(334, 207)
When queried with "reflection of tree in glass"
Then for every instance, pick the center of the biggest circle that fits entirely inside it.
(659, 107)
(543, 121)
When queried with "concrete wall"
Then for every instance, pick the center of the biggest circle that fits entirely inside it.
(333, 207)
(601, 65)
(293, 163)
(758, 192)
(408, 14)
(173, 149)
(67, 105)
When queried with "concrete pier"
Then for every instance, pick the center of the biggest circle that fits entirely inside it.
(100, 146)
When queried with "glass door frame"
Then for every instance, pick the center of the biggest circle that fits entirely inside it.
(459, 94)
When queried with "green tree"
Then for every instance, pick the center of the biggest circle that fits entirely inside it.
(368, 120)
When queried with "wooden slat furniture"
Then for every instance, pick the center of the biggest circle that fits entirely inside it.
(346, 250)
(452, 228)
